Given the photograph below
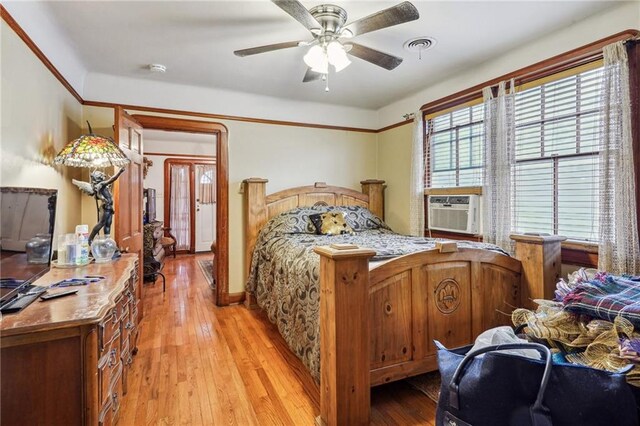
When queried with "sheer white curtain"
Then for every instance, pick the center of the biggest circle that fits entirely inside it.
(618, 252)
(416, 200)
(499, 122)
(180, 207)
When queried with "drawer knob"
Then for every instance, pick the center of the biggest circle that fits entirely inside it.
(112, 358)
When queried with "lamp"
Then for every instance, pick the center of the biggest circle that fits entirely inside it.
(91, 151)
(94, 151)
(319, 57)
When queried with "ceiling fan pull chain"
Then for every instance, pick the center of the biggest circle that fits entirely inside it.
(326, 79)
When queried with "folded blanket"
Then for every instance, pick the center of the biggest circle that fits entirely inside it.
(607, 298)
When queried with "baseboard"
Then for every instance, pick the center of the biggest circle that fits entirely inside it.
(236, 298)
(250, 300)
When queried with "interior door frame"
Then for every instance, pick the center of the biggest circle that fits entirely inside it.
(191, 162)
(222, 187)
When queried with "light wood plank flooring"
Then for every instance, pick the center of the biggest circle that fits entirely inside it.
(198, 364)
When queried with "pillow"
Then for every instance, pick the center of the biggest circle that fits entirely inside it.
(361, 218)
(296, 221)
(330, 223)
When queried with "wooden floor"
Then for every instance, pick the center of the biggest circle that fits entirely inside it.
(202, 365)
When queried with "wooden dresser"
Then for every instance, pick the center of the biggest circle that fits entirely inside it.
(65, 361)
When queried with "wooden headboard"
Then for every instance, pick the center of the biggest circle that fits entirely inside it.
(259, 207)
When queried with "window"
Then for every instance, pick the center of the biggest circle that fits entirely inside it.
(556, 171)
(457, 148)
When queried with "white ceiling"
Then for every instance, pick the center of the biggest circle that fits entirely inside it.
(196, 40)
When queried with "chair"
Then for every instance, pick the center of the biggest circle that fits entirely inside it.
(168, 241)
(151, 270)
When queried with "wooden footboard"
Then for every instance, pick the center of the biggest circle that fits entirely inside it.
(412, 300)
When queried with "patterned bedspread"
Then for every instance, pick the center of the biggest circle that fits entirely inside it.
(285, 271)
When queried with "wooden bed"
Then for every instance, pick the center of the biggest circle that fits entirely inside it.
(378, 323)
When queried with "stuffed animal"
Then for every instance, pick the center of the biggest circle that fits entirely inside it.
(330, 223)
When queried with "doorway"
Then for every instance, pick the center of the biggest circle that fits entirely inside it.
(190, 203)
(221, 253)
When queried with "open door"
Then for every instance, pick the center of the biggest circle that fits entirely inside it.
(128, 230)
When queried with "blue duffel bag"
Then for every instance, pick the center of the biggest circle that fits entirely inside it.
(503, 389)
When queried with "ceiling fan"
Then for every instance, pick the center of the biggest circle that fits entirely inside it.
(332, 38)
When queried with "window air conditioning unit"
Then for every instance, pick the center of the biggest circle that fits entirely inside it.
(455, 213)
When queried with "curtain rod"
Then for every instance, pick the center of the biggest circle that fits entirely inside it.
(576, 57)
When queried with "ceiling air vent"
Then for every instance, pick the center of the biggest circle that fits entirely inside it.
(419, 44)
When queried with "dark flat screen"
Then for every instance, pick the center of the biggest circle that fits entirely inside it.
(24, 214)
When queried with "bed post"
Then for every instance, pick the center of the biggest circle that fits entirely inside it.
(541, 260)
(345, 381)
(375, 190)
(255, 210)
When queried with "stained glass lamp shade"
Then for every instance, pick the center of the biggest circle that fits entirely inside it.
(92, 151)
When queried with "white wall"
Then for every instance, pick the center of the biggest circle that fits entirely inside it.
(626, 16)
(290, 156)
(38, 118)
(182, 148)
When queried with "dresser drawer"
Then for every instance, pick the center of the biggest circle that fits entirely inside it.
(125, 356)
(122, 305)
(108, 365)
(106, 414)
(127, 360)
(111, 406)
(107, 328)
(116, 393)
(125, 318)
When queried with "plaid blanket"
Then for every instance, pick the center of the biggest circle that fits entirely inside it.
(608, 298)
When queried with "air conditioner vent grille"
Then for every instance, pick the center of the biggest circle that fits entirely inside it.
(454, 213)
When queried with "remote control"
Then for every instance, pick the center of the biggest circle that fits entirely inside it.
(56, 295)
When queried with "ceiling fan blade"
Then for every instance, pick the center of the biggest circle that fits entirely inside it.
(311, 75)
(267, 48)
(374, 56)
(299, 13)
(398, 14)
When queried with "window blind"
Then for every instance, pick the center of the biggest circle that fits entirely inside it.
(556, 172)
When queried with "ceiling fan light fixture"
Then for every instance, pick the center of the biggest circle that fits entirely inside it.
(316, 59)
(341, 64)
(337, 56)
